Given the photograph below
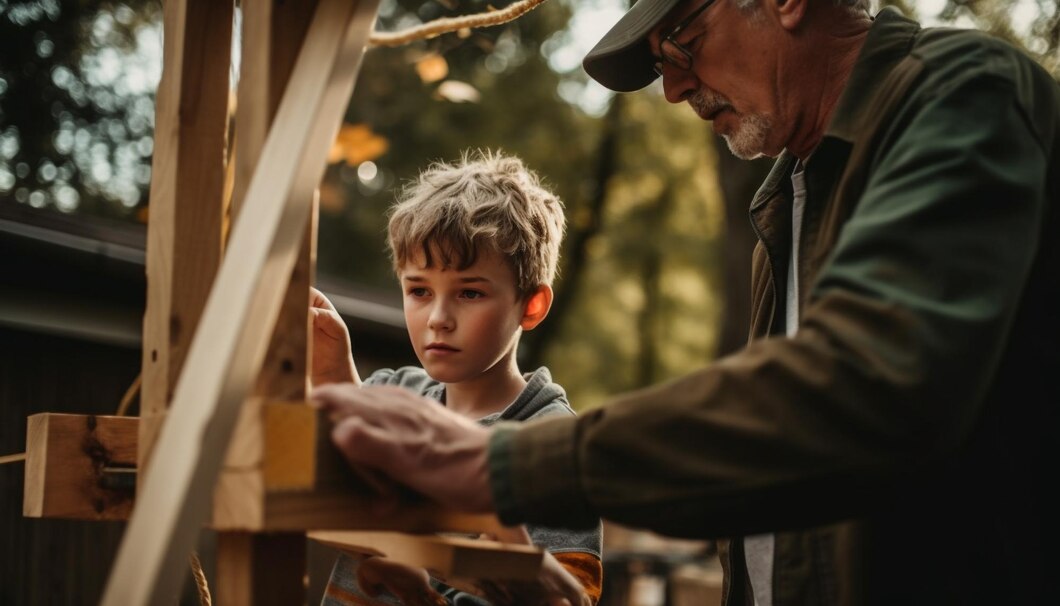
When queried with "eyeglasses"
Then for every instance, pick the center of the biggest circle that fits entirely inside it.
(672, 51)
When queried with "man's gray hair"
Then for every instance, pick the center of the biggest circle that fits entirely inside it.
(856, 6)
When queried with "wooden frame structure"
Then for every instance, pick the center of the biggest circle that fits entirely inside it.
(224, 435)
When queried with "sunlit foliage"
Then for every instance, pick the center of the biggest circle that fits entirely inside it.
(77, 82)
(640, 286)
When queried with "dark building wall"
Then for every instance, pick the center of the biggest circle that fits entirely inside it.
(53, 561)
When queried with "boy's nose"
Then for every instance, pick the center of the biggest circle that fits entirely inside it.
(440, 318)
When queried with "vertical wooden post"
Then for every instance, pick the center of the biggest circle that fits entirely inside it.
(187, 196)
(272, 36)
(229, 347)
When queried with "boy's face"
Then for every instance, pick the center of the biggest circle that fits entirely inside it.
(462, 322)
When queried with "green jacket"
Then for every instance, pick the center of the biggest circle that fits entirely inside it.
(915, 410)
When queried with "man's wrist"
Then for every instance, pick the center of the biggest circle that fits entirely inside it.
(499, 465)
(534, 474)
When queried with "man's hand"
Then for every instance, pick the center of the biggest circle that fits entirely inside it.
(332, 357)
(413, 440)
(410, 585)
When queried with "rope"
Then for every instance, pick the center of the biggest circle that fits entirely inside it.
(446, 25)
(200, 579)
(13, 458)
(127, 399)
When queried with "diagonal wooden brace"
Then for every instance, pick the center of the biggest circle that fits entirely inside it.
(229, 345)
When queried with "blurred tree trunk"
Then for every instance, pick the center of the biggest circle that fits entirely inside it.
(651, 279)
(584, 226)
(739, 181)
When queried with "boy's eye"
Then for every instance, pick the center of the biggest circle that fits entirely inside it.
(471, 294)
(418, 292)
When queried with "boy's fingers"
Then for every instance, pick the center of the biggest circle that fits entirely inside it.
(318, 300)
(329, 323)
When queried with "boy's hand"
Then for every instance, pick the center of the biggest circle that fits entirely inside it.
(410, 585)
(332, 357)
(555, 586)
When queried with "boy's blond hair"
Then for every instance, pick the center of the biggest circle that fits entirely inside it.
(488, 200)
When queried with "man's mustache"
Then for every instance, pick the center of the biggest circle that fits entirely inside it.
(706, 103)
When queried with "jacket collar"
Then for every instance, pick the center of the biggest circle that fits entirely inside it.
(889, 41)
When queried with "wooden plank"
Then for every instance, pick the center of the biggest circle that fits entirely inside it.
(184, 231)
(229, 346)
(274, 447)
(12, 458)
(66, 458)
(273, 36)
(290, 460)
(445, 556)
(326, 510)
(307, 484)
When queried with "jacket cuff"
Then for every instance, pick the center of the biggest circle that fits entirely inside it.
(534, 474)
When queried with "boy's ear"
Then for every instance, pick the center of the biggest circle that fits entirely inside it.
(537, 306)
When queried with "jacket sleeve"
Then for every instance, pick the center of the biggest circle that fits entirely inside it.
(896, 347)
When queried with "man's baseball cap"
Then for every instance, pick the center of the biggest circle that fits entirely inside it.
(622, 59)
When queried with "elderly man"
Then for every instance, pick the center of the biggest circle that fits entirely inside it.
(884, 438)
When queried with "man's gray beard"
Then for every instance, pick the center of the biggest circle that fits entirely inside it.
(748, 142)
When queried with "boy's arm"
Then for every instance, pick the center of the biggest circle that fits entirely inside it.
(576, 576)
(587, 569)
(332, 349)
(409, 584)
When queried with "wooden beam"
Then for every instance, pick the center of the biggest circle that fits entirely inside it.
(447, 557)
(229, 346)
(67, 458)
(184, 231)
(306, 482)
(303, 482)
(273, 34)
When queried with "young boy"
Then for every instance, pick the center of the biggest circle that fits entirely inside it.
(475, 247)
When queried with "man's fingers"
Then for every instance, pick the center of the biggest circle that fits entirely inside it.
(361, 443)
(339, 401)
(425, 446)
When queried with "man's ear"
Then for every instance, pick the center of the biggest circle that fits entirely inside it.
(790, 13)
(537, 305)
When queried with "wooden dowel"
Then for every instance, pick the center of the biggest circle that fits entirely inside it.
(13, 458)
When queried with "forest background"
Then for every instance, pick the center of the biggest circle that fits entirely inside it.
(654, 270)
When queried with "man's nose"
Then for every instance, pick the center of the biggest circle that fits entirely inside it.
(678, 84)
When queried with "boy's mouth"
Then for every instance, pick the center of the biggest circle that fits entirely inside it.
(440, 347)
